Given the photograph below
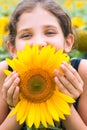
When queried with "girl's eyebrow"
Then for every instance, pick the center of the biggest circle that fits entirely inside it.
(48, 26)
(24, 30)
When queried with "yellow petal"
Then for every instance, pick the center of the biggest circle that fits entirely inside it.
(42, 114)
(55, 104)
(14, 111)
(47, 114)
(37, 115)
(31, 115)
(7, 72)
(52, 110)
(62, 105)
(66, 97)
(23, 113)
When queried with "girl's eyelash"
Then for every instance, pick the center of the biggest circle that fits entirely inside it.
(26, 35)
(50, 32)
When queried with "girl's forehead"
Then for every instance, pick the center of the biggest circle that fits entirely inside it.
(38, 14)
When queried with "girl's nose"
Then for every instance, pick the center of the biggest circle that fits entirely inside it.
(41, 44)
(39, 39)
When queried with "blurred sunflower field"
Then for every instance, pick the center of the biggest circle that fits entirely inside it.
(77, 10)
(6, 7)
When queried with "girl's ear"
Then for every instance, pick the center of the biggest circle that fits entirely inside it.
(69, 43)
(11, 49)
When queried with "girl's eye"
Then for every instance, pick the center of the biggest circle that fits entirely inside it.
(50, 32)
(26, 35)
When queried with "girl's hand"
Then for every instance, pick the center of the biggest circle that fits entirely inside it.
(10, 89)
(70, 83)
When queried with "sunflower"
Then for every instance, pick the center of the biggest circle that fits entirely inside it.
(40, 102)
(4, 21)
(3, 28)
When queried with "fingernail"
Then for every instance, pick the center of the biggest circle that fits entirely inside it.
(62, 66)
(17, 80)
(56, 71)
(64, 62)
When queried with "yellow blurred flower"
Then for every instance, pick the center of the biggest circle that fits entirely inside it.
(79, 4)
(77, 22)
(1, 41)
(4, 26)
(68, 4)
(40, 99)
(5, 6)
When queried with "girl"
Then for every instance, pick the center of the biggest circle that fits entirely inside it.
(45, 23)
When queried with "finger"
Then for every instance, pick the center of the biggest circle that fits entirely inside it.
(8, 83)
(15, 96)
(11, 91)
(74, 94)
(9, 76)
(65, 86)
(75, 73)
(64, 82)
(72, 76)
(61, 87)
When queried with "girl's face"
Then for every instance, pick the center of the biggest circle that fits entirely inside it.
(40, 27)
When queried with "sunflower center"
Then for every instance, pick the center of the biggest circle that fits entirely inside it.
(37, 85)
